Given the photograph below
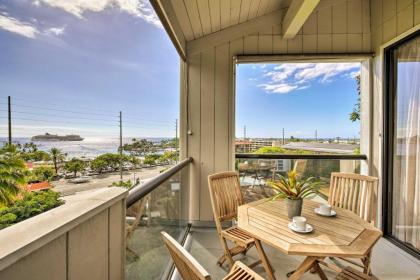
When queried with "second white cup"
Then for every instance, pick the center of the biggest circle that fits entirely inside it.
(325, 209)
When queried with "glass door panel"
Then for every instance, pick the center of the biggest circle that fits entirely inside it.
(405, 187)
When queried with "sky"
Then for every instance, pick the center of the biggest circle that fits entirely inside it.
(299, 97)
(71, 66)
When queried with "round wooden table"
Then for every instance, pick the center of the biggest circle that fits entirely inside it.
(345, 235)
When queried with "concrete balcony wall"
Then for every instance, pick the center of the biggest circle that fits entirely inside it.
(82, 239)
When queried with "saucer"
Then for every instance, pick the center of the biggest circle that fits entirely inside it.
(332, 214)
(308, 229)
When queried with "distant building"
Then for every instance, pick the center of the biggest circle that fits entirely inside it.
(242, 146)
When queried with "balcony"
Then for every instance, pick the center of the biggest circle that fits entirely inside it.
(112, 234)
(89, 225)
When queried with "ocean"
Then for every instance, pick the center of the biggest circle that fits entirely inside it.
(90, 147)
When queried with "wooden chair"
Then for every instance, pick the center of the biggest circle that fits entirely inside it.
(299, 167)
(190, 269)
(226, 197)
(357, 193)
(350, 273)
(136, 211)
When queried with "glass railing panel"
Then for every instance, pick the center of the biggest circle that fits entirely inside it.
(255, 173)
(160, 210)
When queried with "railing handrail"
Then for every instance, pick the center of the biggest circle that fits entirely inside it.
(297, 156)
(140, 191)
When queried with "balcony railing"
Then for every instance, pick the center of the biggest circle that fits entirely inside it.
(256, 169)
(152, 207)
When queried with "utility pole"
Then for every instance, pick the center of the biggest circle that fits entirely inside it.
(244, 132)
(283, 135)
(176, 137)
(121, 160)
(9, 110)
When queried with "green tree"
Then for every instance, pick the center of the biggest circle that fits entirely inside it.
(139, 147)
(75, 165)
(43, 173)
(270, 150)
(98, 164)
(168, 157)
(151, 159)
(112, 161)
(355, 115)
(57, 157)
(35, 156)
(12, 175)
(30, 147)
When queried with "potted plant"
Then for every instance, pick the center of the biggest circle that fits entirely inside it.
(294, 191)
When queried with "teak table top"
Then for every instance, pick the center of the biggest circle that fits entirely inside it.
(345, 235)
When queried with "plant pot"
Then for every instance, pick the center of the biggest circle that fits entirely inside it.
(294, 207)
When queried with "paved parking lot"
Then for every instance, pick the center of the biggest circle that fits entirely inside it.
(102, 181)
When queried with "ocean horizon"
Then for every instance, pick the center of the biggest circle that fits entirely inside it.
(90, 147)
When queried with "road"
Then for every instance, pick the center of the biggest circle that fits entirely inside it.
(102, 181)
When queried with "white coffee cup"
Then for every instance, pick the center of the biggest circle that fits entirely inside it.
(299, 222)
(325, 209)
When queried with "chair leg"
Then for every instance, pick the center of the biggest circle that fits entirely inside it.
(317, 269)
(366, 263)
(228, 255)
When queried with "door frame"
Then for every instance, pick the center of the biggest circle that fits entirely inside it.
(389, 91)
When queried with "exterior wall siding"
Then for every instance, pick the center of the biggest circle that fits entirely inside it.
(390, 19)
(343, 27)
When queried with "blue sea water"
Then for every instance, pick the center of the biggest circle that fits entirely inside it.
(90, 147)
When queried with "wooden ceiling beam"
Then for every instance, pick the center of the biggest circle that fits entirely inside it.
(297, 14)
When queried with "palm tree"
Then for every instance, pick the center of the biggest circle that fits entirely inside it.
(12, 174)
(57, 157)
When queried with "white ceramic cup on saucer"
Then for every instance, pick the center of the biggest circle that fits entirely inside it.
(299, 222)
(325, 209)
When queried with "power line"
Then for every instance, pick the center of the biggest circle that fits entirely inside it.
(61, 110)
(57, 104)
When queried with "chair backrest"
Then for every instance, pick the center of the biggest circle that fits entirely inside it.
(225, 195)
(187, 266)
(136, 210)
(299, 167)
(354, 192)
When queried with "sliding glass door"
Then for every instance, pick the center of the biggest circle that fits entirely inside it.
(402, 212)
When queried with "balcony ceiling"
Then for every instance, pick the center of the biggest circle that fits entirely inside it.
(195, 24)
(201, 18)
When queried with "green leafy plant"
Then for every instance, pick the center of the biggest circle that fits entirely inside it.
(291, 188)
(12, 175)
(42, 173)
(30, 205)
(123, 184)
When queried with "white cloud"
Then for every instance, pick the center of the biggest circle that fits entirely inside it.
(57, 31)
(297, 76)
(138, 8)
(14, 25)
(278, 88)
(324, 71)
